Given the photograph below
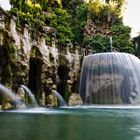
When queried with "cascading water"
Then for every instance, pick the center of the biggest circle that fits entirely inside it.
(14, 100)
(31, 95)
(110, 78)
(60, 98)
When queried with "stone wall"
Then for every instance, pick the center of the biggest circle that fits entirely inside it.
(27, 59)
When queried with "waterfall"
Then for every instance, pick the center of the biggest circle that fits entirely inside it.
(110, 78)
(60, 98)
(31, 95)
(15, 101)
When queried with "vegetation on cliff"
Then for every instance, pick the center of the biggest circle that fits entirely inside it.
(89, 24)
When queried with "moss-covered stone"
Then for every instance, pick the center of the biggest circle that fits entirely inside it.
(62, 59)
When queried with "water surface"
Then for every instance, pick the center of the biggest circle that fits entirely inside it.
(71, 124)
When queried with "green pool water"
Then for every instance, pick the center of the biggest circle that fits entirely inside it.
(70, 124)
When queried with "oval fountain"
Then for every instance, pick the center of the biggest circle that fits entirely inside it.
(110, 79)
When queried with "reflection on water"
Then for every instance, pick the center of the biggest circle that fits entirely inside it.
(71, 124)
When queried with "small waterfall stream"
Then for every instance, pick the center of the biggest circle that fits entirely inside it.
(15, 101)
(60, 98)
(31, 95)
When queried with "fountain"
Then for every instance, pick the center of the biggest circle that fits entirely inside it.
(106, 78)
(11, 98)
(31, 96)
(110, 78)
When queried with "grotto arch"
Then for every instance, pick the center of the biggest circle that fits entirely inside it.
(62, 87)
(35, 69)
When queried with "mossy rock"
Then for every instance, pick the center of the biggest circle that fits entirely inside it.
(62, 59)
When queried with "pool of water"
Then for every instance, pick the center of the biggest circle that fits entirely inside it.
(70, 123)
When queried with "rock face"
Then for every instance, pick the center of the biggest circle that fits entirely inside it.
(91, 28)
(75, 99)
(27, 59)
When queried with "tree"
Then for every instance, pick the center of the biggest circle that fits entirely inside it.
(80, 22)
(121, 38)
(98, 43)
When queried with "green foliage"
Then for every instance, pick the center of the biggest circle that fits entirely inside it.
(103, 13)
(117, 3)
(98, 43)
(80, 22)
(69, 18)
(72, 5)
(63, 60)
(121, 38)
(61, 22)
(41, 13)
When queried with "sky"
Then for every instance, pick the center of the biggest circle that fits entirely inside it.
(5, 4)
(131, 16)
